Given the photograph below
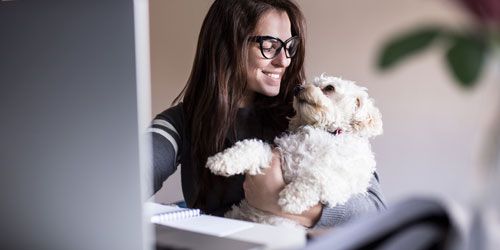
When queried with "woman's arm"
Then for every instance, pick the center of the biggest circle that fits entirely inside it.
(356, 207)
(166, 144)
(164, 160)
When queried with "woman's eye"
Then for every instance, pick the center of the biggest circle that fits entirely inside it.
(329, 88)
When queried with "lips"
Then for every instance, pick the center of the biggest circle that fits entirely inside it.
(274, 75)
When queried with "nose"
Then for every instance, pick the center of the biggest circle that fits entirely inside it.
(297, 90)
(281, 60)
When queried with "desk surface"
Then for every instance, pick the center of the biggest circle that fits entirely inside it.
(257, 237)
(272, 237)
(168, 238)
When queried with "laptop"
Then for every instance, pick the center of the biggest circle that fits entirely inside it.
(70, 107)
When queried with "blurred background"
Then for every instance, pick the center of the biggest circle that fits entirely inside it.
(435, 131)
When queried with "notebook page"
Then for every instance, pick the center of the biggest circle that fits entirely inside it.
(207, 224)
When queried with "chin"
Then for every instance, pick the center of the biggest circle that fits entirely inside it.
(265, 87)
(271, 92)
(271, 88)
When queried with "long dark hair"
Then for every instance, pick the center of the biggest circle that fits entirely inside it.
(217, 81)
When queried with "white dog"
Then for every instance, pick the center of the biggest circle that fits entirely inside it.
(326, 156)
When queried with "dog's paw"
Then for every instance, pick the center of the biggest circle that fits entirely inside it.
(220, 167)
(247, 156)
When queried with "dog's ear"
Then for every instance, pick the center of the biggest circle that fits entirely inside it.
(294, 122)
(367, 120)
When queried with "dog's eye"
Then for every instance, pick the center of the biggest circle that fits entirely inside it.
(329, 88)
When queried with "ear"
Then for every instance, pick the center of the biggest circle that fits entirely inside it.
(367, 120)
(294, 122)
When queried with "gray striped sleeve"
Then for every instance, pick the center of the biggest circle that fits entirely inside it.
(166, 150)
(166, 130)
(165, 124)
(356, 207)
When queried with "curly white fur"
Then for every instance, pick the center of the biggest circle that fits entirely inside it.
(245, 151)
(318, 165)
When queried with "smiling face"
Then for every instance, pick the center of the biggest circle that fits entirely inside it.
(264, 75)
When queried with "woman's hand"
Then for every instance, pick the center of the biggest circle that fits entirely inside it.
(262, 192)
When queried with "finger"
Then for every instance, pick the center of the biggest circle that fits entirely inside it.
(249, 182)
(245, 184)
(249, 188)
(276, 167)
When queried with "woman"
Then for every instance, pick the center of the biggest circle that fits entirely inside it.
(250, 55)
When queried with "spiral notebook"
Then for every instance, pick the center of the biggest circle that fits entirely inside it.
(160, 213)
(192, 220)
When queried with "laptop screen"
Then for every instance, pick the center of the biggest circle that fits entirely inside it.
(70, 164)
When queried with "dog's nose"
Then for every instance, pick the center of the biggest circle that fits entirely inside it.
(297, 90)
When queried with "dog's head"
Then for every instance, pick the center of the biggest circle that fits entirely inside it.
(335, 104)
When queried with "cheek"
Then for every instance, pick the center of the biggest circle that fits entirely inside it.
(253, 61)
(257, 64)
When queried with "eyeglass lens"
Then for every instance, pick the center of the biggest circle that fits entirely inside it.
(271, 47)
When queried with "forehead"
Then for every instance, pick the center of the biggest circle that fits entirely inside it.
(274, 23)
(337, 82)
(321, 82)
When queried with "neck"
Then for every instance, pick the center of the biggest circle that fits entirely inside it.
(247, 99)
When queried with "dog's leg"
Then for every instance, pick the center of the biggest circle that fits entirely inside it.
(247, 156)
(299, 195)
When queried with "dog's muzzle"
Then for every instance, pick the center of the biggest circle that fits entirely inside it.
(297, 90)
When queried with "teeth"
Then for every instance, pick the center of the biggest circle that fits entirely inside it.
(275, 76)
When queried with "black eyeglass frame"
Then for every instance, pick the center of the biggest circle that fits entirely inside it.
(261, 39)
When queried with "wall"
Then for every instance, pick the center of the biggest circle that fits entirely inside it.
(434, 131)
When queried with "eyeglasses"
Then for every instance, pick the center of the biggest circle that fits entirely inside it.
(270, 46)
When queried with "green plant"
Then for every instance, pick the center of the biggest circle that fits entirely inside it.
(466, 51)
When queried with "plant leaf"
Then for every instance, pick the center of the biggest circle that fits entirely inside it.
(466, 58)
(405, 45)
